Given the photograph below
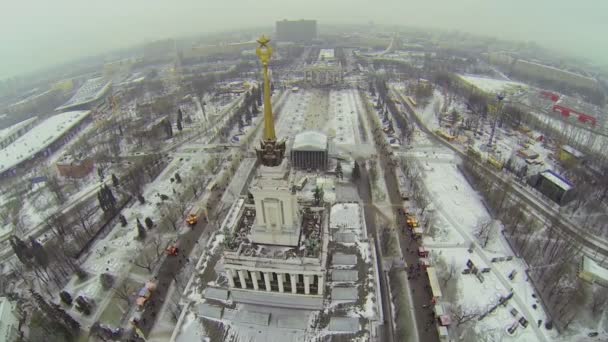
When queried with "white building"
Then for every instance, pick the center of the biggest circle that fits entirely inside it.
(325, 71)
(12, 133)
(310, 151)
(9, 321)
(279, 251)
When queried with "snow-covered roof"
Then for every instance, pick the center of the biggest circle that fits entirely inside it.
(6, 132)
(557, 180)
(39, 137)
(576, 153)
(326, 54)
(596, 270)
(90, 91)
(341, 259)
(344, 324)
(492, 85)
(345, 215)
(310, 141)
(344, 293)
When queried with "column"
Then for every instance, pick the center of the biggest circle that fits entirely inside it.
(306, 284)
(320, 286)
(242, 279)
(230, 275)
(254, 279)
(267, 281)
(280, 277)
(294, 282)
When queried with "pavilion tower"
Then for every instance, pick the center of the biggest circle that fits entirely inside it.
(271, 151)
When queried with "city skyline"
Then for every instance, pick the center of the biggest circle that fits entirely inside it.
(67, 30)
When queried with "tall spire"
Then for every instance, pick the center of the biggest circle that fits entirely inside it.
(271, 151)
(264, 52)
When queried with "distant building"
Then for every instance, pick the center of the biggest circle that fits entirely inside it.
(92, 93)
(74, 167)
(159, 50)
(296, 31)
(554, 186)
(542, 71)
(9, 321)
(12, 133)
(325, 71)
(554, 74)
(42, 140)
(593, 273)
(37, 103)
(310, 151)
(569, 155)
(203, 51)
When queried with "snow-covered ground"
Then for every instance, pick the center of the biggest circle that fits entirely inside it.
(461, 207)
(458, 210)
(343, 111)
(116, 252)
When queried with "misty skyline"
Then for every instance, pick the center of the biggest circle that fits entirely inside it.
(37, 34)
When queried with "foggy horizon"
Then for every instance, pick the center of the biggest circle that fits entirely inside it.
(38, 35)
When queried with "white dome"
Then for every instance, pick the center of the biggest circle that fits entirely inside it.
(310, 141)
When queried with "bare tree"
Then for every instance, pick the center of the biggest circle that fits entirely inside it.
(463, 315)
(483, 231)
(124, 292)
(52, 183)
(599, 299)
(450, 272)
(84, 212)
(173, 214)
(146, 261)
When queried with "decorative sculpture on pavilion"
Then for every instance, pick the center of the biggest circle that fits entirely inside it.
(271, 151)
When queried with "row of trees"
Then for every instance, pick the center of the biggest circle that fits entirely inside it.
(245, 113)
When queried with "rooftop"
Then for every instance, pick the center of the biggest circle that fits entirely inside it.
(310, 239)
(326, 54)
(90, 91)
(576, 153)
(557, 180)
(10, 130)
(592, 267)
(310, 140)
(39, 137)
(345, 215)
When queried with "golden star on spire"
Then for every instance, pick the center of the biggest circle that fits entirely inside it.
(263, 41)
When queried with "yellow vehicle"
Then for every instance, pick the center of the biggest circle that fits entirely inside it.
(411, 221)
(495, 163)
(192, 219)
(445, 135)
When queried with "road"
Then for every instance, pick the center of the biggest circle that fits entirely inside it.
(594, 248)
(418, 281)
(168, 271)
(418, 284)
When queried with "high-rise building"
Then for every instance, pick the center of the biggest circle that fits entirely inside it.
(296, 30)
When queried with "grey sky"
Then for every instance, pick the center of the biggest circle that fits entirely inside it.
(39, 33)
